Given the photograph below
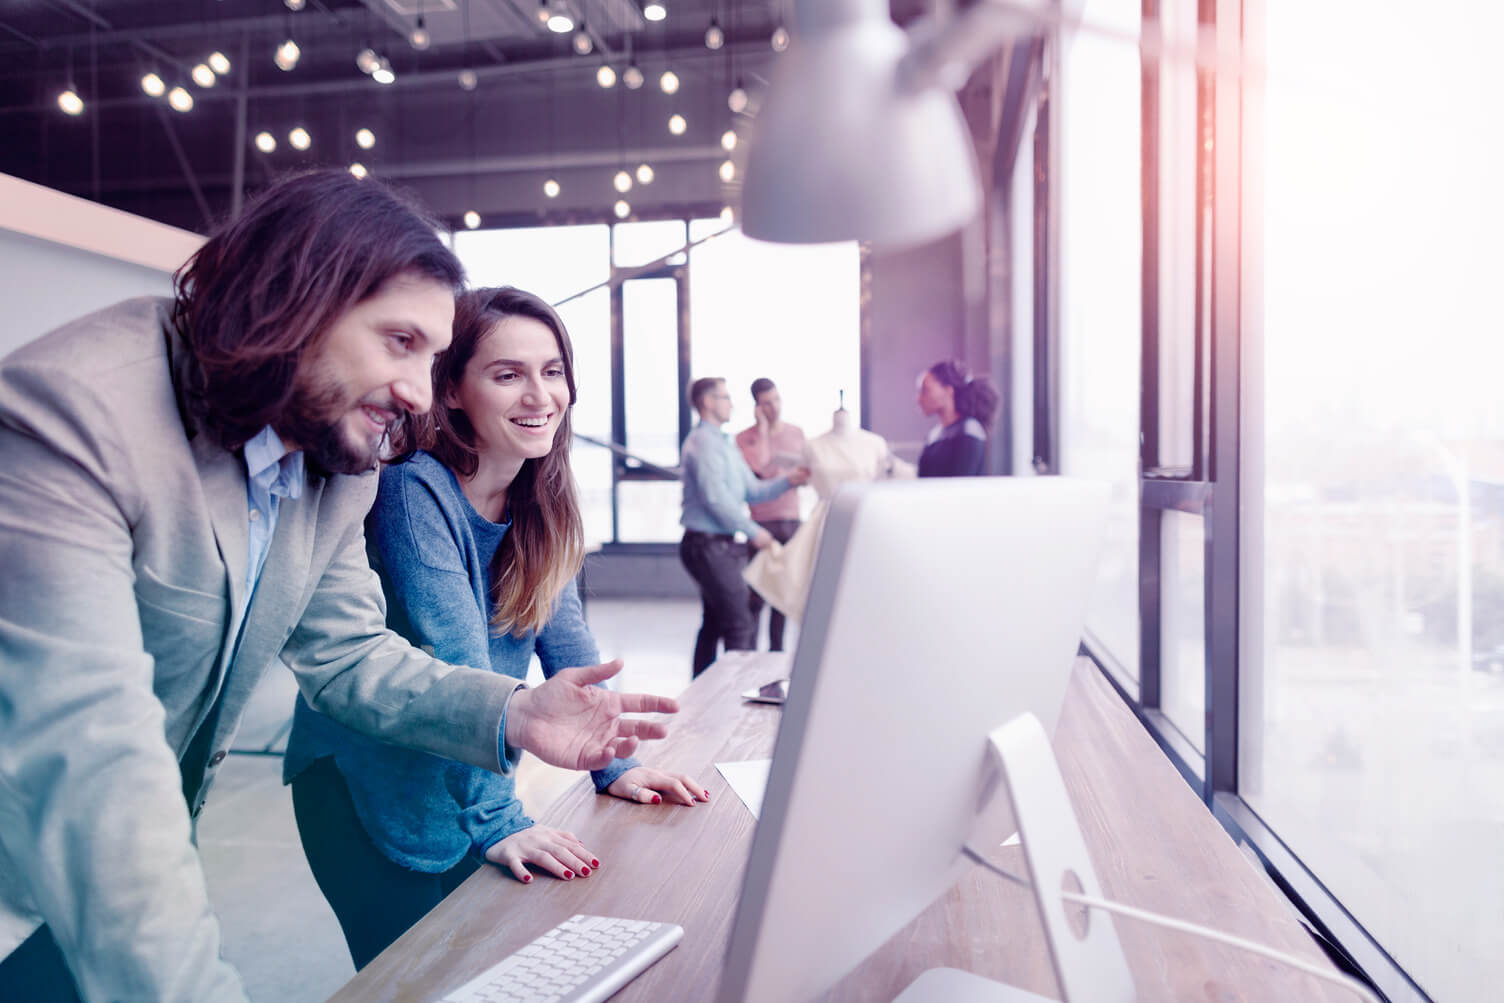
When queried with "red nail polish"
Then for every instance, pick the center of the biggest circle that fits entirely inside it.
(584, 872)
(707, 795)
(595, 863)
(656, 799)
(526, 878)
(568, 874)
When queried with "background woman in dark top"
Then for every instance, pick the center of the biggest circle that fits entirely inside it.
(965, 406)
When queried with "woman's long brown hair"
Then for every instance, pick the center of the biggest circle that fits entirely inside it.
(546, 544)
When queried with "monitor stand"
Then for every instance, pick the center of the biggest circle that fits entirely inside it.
(1089, 966)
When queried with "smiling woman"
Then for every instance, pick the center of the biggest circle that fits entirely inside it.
(476, 537)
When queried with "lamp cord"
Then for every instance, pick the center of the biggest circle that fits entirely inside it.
(1156, 919)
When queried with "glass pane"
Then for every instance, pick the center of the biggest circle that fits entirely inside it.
(1020, 399)
(1101, 244)
(1373, 702)
(650, 350)
(1182, 624)
(650, 511)
(640, 243)
(790, 313)
(552, 261)
(1178, 157)
(588, 320)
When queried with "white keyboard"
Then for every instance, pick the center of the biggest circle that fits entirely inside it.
(582, 960)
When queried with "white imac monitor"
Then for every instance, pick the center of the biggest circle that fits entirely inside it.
(939, 610)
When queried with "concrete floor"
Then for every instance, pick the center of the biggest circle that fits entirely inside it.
(278, 930)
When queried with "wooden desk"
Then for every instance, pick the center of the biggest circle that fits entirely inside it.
(1153, 843)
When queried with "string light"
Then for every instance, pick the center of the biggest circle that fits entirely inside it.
(583, 46)
(669, 82)
(383, 73)
(737, 100)
(299, 139)
(420, 39)
(180, 99)
(367, 60)
(606, 77)
(153, 85)
(644, 174)
(468, 80)
(365, 138)
(203, 76)
(622, 209)
(654, 10)
(294, 4)
(551, 188)
(287, 55)
(358, 169)
(632, 76)
(728, 140)
(622, 181)
(70, 102)
(727, 216)
(472, 219)
(780, 39)
(728, 171)
(676, 124)
(219, 62)
(714, 36)
(266, 142)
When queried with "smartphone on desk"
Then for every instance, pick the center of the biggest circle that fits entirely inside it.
(775, 692)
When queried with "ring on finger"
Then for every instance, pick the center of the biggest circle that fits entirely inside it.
(635, 789)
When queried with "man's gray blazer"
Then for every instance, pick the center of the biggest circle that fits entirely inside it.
(123, 552)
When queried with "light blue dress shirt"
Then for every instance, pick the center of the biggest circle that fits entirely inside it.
(273, 472)
(718, 484)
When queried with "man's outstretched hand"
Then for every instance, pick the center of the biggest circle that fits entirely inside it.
(571, 722)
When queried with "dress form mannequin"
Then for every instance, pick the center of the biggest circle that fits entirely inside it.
(846, 453)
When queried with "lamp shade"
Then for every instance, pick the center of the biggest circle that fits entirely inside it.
(844, 148)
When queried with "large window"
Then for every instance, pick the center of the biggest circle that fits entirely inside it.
(1101, 249)
(1372, 685)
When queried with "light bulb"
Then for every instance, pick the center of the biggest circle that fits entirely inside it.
(472, 219)
(728, 171)
(727, 216)
(654, 10)
(70, 102)
(622, 209)
(737, 99)
(728, 140)
(622, 181)
(543, 11)
(420, 39)
(714, 36)
(582, 43)
(560, 23)
(358, 169)
(669, 82)
(605, 76)
(367, 60)
(383, 74)
(632, 77)
(287, 55)
(294, 4)
(153, 85)
(365, 138)
(676, 124)
(203, 76)
(468, 80)
(780, 39)
(266, 142)
(551, 188)
(644, 174)
(180, 99)
(299, 139)
(219, 62)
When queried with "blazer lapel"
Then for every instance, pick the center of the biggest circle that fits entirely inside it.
(222, 474)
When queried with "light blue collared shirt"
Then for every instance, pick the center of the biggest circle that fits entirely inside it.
(273, 472)
(718, 484)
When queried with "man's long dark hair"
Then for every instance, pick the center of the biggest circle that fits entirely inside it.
(266, 287)
(546, 544)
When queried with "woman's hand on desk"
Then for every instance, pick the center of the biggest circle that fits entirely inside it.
(645, 785)
(558, 852)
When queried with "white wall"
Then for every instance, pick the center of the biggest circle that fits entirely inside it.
(62, 257)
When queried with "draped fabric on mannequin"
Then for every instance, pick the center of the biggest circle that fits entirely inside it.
(781, 574)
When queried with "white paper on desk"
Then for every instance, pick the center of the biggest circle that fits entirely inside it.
(749, 779)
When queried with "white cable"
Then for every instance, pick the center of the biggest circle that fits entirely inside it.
(1154, 918)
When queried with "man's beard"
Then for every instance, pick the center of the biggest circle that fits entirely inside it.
(314, 419)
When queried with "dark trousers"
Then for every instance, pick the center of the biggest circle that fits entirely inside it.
(35, 971)
(374, 898)
(715, 562)
(783, 531)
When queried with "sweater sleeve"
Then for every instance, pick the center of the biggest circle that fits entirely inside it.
(417, 539)
(566, 642)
